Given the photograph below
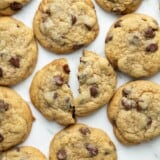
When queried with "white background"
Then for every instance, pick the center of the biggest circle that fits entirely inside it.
(42, 130)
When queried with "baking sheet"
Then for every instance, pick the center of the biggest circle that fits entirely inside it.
(43, 130)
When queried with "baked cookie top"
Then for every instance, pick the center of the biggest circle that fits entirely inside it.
(18, 51)
(65, 26)
(9, 7)
(79, 142)
(133, 45)
(97, 81)
(134, 112)
(119, 6)
(50, 92)
(15, 119)
(23, 153)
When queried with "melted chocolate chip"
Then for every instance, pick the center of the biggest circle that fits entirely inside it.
(128, 103)
(152, 47)
(74, 19)
(48, 12)
(92, 149)
(15, 62)
(77, 46)
(16, 6)
(125, 92)
(1, 72)
(3, 106)
(62, 155)
(150, 32)
(1, 138)
(84, 131)
(89, 28)
(93, 91)
(58, 80)
(108, 38)
(66, 68)
(117, 24)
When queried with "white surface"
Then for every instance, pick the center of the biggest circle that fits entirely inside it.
(42, 130)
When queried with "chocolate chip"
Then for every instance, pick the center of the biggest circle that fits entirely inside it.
(73, 112)
(1, 72)
(16, 6)
(48, 12)
(3, 106)
(106, 153)
(74, 19)
(15, 62)
(108, 38)
(149, 121)
(150, 32)
(93, 91)
(125, 92)
(55, 95)
(17, 149)
(128, 103)
(89, 28)
(77, 46)
(117, 24)
(84, 131)
(62, 155)
(58, 80)
(66, 68)
(152, 47)
(92, 149)
(1, 138)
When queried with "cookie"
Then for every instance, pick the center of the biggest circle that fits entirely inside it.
(134, 112)
(15, 119)
(133, 45)
(10, 7)
(82, 142)
(18, 51)
(65, 26)
(23, 153)
(119, 6)
(97, 83)
(51, 94)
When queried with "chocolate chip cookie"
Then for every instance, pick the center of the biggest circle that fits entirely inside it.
(134, 112)
(22, 153)
(133, 45)
(79, 142)
(18, 51)
(97, 83)
(50, 92)
(9, 7)
(65, 26)
(15, 119)
(119, 6)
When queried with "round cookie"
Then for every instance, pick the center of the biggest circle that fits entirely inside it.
(51, 94)
(119, 6)
(134, 112)
(82, 142)
(18, 51)
(65, 26)
(9, 7)
(133, 45)
(15, 119)
(97, 83)
(23, 153)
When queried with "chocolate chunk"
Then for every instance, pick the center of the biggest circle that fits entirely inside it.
(1, 72)
(108, 38)
(15, 62)
(1, 138)
(58, 80)
(117, 24)
(92, 149)
(125, 92)
(77, 46)
(66, 68)
(62, 155)
(128, 103)
(152, 47)
(74, 19)
(84, 131)
(3, 106)
(150, 32)
(93, 91)
(89, 28)
(16, 6)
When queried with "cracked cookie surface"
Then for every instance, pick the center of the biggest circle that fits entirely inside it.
(119, 6)
(134, 112)
(18, 51)
(15, 119)
(82, 142)
(23, 153)
(97, 81)
(133, 45)
(51, 94)
(65, 26)
(9, 7)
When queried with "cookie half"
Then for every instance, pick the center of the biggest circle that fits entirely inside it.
(18, 51)
(9, 7)
(133, 45)
(23, 153)
(15, 119)
(51, 94)
(65, 26)
(97, 81)
(134, 112)
(82, 142)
